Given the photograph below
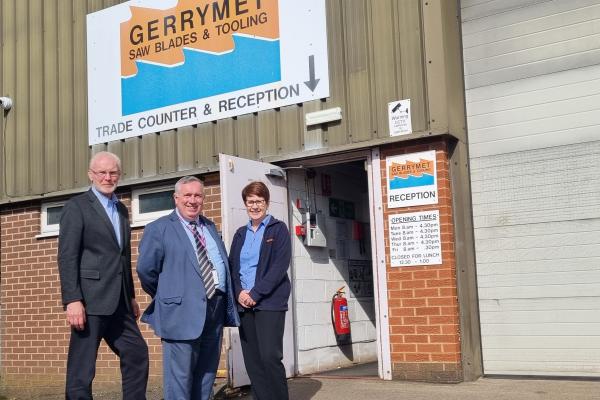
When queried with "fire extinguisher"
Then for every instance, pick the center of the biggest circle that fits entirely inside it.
(339, 317)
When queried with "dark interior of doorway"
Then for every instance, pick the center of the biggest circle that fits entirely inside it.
(353, 174)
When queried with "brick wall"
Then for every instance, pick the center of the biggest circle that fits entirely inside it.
(423, 308)
(34, 335)
(422, 300)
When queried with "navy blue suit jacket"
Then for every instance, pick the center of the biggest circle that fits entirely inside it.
(272, 286)
(169, 272)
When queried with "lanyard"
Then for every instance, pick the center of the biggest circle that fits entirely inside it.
(199, 230)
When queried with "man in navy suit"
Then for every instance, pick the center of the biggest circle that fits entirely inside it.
(183, 265)
(94, 261)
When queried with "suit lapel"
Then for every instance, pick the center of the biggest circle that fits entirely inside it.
(123, 224)
(182, 237)
(96, 206)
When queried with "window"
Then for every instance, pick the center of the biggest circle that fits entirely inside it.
(50, 218)
(151, 203)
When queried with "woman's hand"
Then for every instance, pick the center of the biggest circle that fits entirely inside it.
(245, 300)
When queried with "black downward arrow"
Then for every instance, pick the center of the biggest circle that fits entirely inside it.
(312, 83)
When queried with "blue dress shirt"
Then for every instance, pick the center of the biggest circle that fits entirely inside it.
(214, 255)
(251, 252)
(110, 206)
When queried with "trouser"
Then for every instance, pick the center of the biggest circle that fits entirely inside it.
(123, 336)
(261, 337)
(190, 366)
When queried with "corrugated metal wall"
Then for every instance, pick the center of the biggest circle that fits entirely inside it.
(375, 56)
(532, 74)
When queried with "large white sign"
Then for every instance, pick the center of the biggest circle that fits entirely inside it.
(412, 179)
(415, 239)
(155, 65)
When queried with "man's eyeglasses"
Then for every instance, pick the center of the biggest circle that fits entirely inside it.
(252, 203)
(102, 174)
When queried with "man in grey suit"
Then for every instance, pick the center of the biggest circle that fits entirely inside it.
(183, 265)
(94, 261)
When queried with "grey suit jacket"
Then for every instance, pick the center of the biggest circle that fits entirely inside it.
(93, 268)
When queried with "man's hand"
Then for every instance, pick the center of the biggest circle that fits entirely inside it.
(245, 300)
(135, 308)
(76, 315)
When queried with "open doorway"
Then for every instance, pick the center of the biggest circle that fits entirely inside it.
(331, 204)
(337, 203)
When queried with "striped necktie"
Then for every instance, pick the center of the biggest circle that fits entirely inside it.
(204, 262)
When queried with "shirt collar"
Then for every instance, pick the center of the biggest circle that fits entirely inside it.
(103, 199)
(264, 222)
(185, 221)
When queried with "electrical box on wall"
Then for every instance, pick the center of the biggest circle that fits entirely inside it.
(315, 235)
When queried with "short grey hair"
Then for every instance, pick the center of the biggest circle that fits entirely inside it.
(105, 154)
(186, 179)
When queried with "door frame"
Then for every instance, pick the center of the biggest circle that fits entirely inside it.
(372, 161)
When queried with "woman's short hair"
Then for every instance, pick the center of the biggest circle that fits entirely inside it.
(256, 188)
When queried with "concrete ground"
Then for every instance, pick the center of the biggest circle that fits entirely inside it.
(328, 388)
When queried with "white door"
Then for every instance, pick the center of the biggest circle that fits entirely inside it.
(235, 174)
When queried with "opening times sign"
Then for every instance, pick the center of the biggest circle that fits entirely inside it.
(155, 65)
(415, 239)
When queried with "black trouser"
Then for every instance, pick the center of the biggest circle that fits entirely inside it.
(123, 336)
(261, 336)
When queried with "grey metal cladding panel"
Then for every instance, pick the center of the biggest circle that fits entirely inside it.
(131, 162)
(224, 137)
(46, 141)
(266, 126)
(22, 167)
(313, 136)
(9, 34)
(50, 116)
(410, 63)
(544, 29)
(167, 151)
(385, 82)
(545, 111)
(79, 113)
(2, 141)
(204, 145)
(288, 130)
(8, 88)
(358, 60)
(149, 155)
(115, 147)
(65, 97)
(336, 134)
(558, 36)
(36, 99)
(474, 9)
(245, 132)
(94, 5)
(185, 148)
(536, 11)
(538, 186)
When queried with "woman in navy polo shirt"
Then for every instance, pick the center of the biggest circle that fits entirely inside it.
(259, 259)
